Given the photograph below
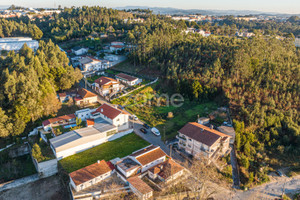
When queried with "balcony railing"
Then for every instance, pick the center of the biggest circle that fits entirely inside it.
(180, 137)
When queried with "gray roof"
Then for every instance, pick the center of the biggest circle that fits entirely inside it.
(64, 139)
(85, 60)
(100, 127)
(77, 48)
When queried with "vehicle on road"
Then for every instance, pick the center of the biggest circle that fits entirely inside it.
(135, 118)
(155, 131)
(143, 130)
(146, 126)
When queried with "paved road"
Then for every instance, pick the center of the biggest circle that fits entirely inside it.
(235, 171)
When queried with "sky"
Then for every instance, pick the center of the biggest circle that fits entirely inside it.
(280, 6)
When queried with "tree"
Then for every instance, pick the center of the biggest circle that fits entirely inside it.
(36, 152)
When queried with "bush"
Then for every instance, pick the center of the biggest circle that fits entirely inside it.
(36, 152)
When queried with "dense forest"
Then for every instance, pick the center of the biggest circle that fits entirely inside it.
(11, 28)
(259, 77)
(29, 82)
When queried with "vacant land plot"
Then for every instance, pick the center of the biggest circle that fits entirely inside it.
(15, 168)
(118, 148)
(155, 111)
(48, 188)
(126, 66)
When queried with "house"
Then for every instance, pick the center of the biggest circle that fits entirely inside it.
(107, 123)
(166, 171)
(114, 116)
(79, 140)
(83, 114)
(107, 86)
(16, 43)
(85, 97)
(228, 130)
(140, 188)
(89, 64)
(148, 157)
(127, 79)
(78, 51)
(203, 120)
(199, 140)
(117, 43)
(116, 48)
(128, 167)
(59, 121)
(90, 175)
(62, 97)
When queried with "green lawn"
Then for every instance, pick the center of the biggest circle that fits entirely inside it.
(126, 66)
(118, 148)
(187, 113)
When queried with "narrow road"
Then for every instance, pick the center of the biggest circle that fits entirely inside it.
(235, 171)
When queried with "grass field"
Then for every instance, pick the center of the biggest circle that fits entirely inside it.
(117, 148)
(126, 66)
(158, 115)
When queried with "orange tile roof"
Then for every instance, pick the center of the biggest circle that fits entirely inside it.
(109, 111)
(151, 156)
(85, 93)
(57, 119)
(201, 133)
(105, 80)
(90, 172)
(166, 169)
(90, 122)
(126, 77)
(140, 185)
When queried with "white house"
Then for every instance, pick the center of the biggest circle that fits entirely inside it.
(148, 157)
(107, 86)
(59, 121)
(114, 116)
(83, 114)
(91, 175)
(128, 167)
(85, 97)
(199, 140)
(78, 51)
(127, 79)
(91, 64)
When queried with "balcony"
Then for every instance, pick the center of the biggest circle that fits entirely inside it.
(180, 137)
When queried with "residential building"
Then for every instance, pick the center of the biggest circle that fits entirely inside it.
(89, 64)
(85, 97)
(228, 130)
(107, 86)
(140, 188)
(127, 79)
(62, 97)
(59, 121)
(166, 171)
(114, 115)
(297, 42)
(83, 114)
(148, 157)
(116, 48)
(16, 43)
(91, 175)
(200, 140)
(203, 120)
(117, 43)
(128, 167)
(78, 51)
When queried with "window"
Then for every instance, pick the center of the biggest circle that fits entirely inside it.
(190, 139)
(189, 146)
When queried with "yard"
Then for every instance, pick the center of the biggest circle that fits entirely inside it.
(157, 116)
(126, 66)
(117, 148)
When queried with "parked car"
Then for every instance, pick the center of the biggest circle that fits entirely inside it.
(143, 130)
(155, 131)
(135, 118)
(146, 126)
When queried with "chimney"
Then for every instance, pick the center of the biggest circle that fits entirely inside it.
(212, 126)
(98, 161)
(101, 109)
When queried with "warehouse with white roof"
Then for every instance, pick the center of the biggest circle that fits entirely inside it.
(16, 43)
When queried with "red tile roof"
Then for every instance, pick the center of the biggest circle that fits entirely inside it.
(62, 94)
(57, 119)
(201, 133)
(140, 185)
(150, 155)
(126, 77)
(166, 169)
(109, 111)
(85, 93)
(105, 80)
(117, 46)
(90, 172)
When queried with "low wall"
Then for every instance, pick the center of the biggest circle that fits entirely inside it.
(119, 134)
(46, 168)
(19, 151)
(19, 182)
